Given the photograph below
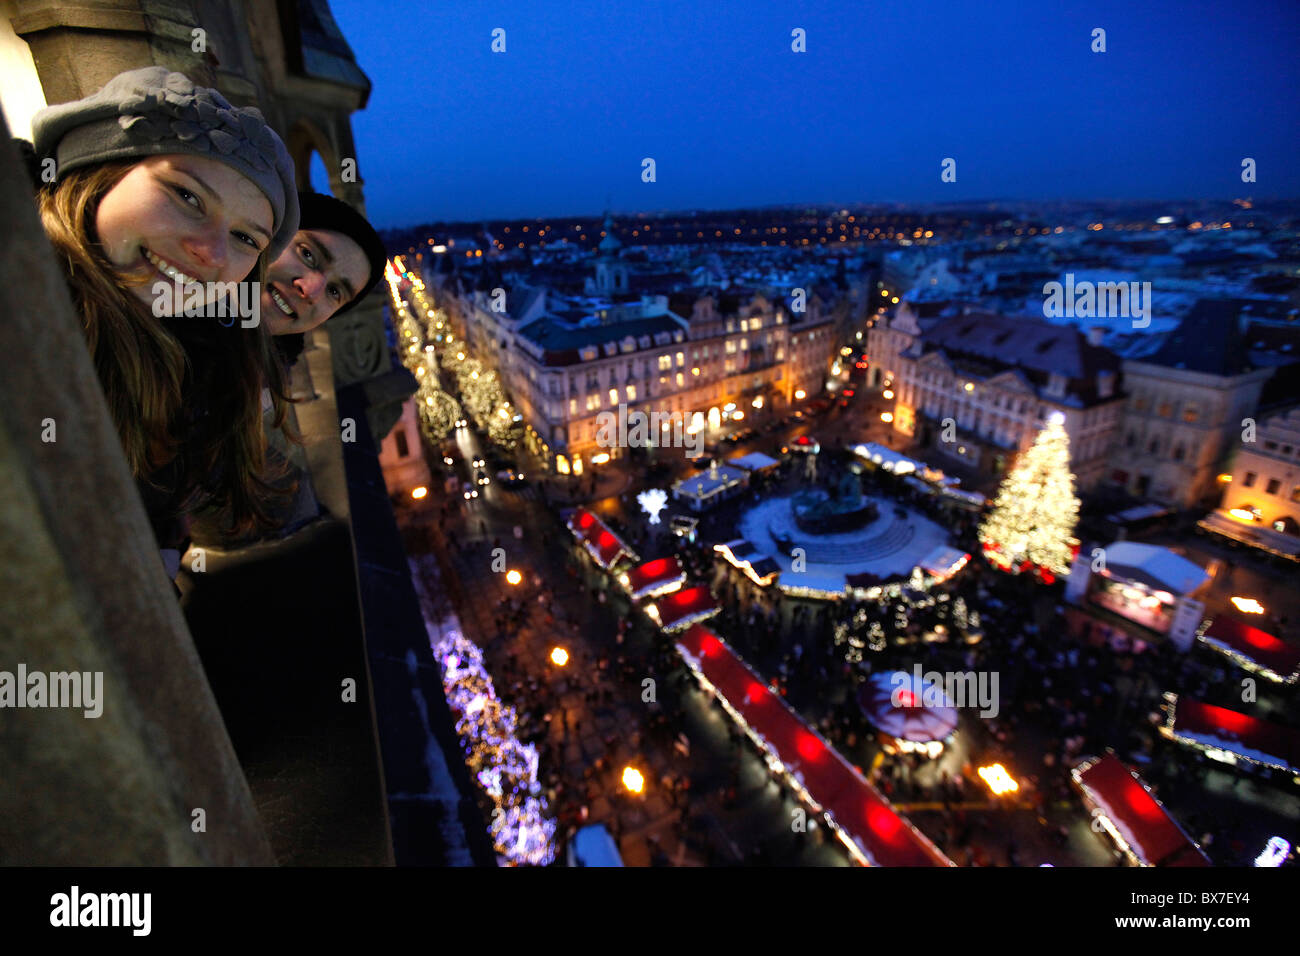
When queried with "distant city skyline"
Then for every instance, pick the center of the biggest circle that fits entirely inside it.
(1166, 214)
(559, 124)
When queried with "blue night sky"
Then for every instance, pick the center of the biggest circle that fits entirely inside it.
(560, 122)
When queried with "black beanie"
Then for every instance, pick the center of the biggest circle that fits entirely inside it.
(318, 211)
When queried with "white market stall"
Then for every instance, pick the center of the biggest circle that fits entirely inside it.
(707, 488)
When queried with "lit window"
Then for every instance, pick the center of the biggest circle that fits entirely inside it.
(681, 380)
(631, 393)
(681, 359)
(613, 396)
(665, 362)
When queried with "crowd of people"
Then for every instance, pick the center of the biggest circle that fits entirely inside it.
(1064, 697)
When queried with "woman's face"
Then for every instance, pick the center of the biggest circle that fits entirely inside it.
(183, 216)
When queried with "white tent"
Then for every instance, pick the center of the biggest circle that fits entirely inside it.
(888, 459)
(943, 562)
(907, 709)
(1154, 566)
(710, 486)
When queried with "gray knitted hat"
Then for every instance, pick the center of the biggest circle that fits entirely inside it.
(155, 112)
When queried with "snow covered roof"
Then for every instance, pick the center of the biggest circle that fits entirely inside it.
(754, 461)
(708, 483)
(1155, 566)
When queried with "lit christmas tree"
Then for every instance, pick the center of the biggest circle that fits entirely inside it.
(438, 412)
(959, 616)
(1031, 526)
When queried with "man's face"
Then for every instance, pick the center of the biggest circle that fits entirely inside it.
(318, 274)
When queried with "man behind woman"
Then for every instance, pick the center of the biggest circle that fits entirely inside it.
(161, 184)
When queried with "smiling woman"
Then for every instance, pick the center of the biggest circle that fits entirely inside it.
(184, 218)
(160, 184)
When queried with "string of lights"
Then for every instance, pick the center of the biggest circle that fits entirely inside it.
(479, 387)
(506, 769)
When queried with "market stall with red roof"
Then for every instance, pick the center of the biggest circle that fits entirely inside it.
(654, 578)
(605, 547)
(1253, 649)
(678, 611)
(874, 833)
(1137, 821)
(1226, 733)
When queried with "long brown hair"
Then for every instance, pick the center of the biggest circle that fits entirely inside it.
(186, 397)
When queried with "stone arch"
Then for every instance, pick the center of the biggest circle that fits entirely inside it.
(306, 137)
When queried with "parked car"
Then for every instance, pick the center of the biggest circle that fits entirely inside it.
(804, 445)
